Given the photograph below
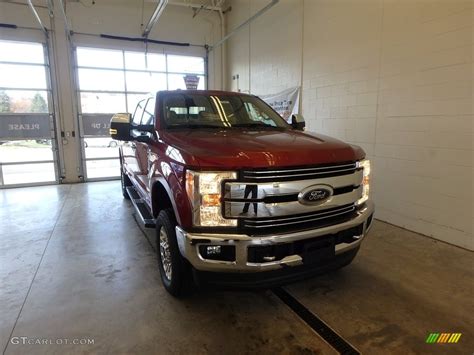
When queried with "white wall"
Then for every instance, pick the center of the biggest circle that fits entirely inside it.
(114, 17)
(393, 76)
(279, 32)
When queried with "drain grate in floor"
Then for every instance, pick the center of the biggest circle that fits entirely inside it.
(329, 335)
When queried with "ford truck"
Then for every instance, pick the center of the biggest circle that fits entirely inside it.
(237, 195)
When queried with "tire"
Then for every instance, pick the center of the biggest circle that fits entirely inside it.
(125, 182)
(173, 268)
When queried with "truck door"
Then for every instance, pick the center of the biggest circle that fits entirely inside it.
(129, 148)
(142, 149)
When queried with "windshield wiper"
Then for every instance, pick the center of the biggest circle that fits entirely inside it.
(238, 125)
(193, 126)
(254, 125)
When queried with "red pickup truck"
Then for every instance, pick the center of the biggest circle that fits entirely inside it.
(237, 195)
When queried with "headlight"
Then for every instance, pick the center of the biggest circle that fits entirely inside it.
(365, 165)
(204, 192)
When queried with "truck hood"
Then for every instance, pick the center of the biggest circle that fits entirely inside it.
(234, 149)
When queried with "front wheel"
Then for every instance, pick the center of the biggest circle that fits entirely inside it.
(172, 266)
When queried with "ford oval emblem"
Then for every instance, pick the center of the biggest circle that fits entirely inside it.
(315, 194)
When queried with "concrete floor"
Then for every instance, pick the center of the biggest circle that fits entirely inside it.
(74, 265)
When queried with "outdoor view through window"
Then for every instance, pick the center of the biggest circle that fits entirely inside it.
(26, 150)
(107, 82)
(113, 81)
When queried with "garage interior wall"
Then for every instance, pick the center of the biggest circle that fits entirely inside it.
(393, 76)
(113, 17)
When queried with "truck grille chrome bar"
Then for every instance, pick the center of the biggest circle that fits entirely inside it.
(299, 219)
(299, 173)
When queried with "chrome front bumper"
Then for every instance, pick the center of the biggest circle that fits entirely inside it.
(189, 245)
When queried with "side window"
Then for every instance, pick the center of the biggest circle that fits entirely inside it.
(149, 113)
(137, 116)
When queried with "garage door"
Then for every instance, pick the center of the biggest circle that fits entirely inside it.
(27, 143)
(111, 81)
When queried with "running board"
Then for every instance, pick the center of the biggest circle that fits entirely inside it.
(141, 207)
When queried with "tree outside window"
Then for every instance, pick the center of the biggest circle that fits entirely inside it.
(4, 101)
(38, 103)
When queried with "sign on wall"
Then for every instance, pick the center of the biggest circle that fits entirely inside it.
(191, 81)
(286, 102)
(25, 126)
(96, 124)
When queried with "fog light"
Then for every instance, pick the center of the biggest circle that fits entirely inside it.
(217, 252)
(213, 249)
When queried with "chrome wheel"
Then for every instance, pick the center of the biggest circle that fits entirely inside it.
(165, 253)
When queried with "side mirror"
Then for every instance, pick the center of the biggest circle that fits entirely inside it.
(120, 126)
(297, 122)
(140, 136)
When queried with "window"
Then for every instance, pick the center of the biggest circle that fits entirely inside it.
(97, 102)
(99, 58)
(112, 81)
(149, 113)
(21, 76)
(184, 109)
(219, 111)
(101, 80)
(184, 64)
(21, 52)
(24, 101)
(256, 114)
(146, 82)
(30, 173)
(137, 116)
(26, 134)
(142, 61)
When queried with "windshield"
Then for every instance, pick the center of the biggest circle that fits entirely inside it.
(218, 111)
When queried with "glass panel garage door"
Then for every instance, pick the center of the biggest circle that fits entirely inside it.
(27, 145)
(111, 81)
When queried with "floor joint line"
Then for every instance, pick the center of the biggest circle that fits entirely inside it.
(37, 268)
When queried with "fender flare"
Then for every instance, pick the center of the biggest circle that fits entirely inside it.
(164, 183)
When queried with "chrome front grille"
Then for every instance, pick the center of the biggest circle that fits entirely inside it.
(268, 200)
(299, 173)
(318, 216)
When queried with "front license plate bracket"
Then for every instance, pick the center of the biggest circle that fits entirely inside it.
(319, 251)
